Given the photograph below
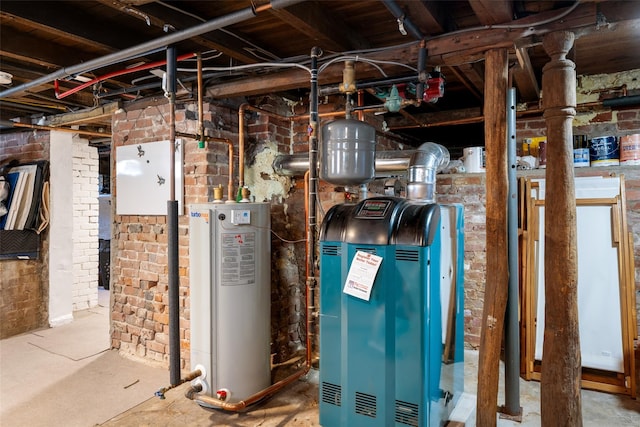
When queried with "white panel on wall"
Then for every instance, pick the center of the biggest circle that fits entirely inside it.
(143, 174)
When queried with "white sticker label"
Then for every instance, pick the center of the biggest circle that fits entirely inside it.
(362, 274)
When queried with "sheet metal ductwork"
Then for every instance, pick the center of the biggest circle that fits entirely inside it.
(425, 163)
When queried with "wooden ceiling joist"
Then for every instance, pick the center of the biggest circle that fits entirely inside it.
(330, 32)
(524, 77)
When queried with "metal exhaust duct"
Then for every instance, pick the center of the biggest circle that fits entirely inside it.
(425, 163)
(387, 163)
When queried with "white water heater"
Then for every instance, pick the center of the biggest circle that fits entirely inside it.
(230, 294)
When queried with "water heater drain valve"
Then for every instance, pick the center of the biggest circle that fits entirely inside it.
(223, 394)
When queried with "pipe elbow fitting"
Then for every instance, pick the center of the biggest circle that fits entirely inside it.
(192, 391)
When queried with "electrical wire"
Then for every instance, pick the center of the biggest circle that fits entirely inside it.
(248, 66)
(285, 240)
(373, 62)
(509, 26)
(194, 16)
(226, 228)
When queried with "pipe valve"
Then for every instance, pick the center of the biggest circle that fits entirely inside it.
(348, 84)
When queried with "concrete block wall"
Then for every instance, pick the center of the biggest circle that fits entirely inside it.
(24, 291)
(85, 225)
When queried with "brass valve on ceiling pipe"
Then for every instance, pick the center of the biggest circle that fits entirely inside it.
(348, 84)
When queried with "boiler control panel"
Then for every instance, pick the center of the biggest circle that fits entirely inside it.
(373, 208)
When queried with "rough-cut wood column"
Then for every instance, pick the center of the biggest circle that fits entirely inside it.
(497, 280)
(561, 366)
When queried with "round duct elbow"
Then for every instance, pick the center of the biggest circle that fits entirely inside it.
(425, 163)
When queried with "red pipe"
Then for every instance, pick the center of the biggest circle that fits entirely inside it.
(59, 95)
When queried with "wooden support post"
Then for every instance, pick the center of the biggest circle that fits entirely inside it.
(497, 277)
(561, 368)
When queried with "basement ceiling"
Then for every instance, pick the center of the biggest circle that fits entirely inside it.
(42, 39)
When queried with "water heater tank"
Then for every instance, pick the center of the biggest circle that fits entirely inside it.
(230, 287)
(347, 153)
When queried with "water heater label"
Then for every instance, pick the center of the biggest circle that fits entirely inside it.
(238, 259)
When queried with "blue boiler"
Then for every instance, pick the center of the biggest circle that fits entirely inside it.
(397, 358)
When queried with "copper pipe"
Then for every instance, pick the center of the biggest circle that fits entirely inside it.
(360, 104)
(238, 406)
(467, 120)
(200, 100)
(241, 110)
(230, 195)
(216, 139)
(332, 114)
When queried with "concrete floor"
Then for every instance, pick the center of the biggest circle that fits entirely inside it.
(66, 376)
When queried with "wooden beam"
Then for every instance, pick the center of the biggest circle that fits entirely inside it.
(329, 31)
(26, 47)
(448, 50)
(63, 25)
(428, 16)
(497, 270)
(436, 118)
(560, 398)
(525, 78)
(467, 43)
(91, 115)
(470, 78)
(297, 78)
(221, 42)
(491, 12)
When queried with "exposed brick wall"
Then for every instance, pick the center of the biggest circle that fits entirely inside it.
(85, 229)
(469, 190)
(24, 291)
(140, 316)
(140, 312)
(140, 305)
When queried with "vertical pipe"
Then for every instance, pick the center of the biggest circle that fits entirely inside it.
(512, 332)
(172, 230)
(422, 73)
(241, 111)
(313, 169)
(201, 138)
